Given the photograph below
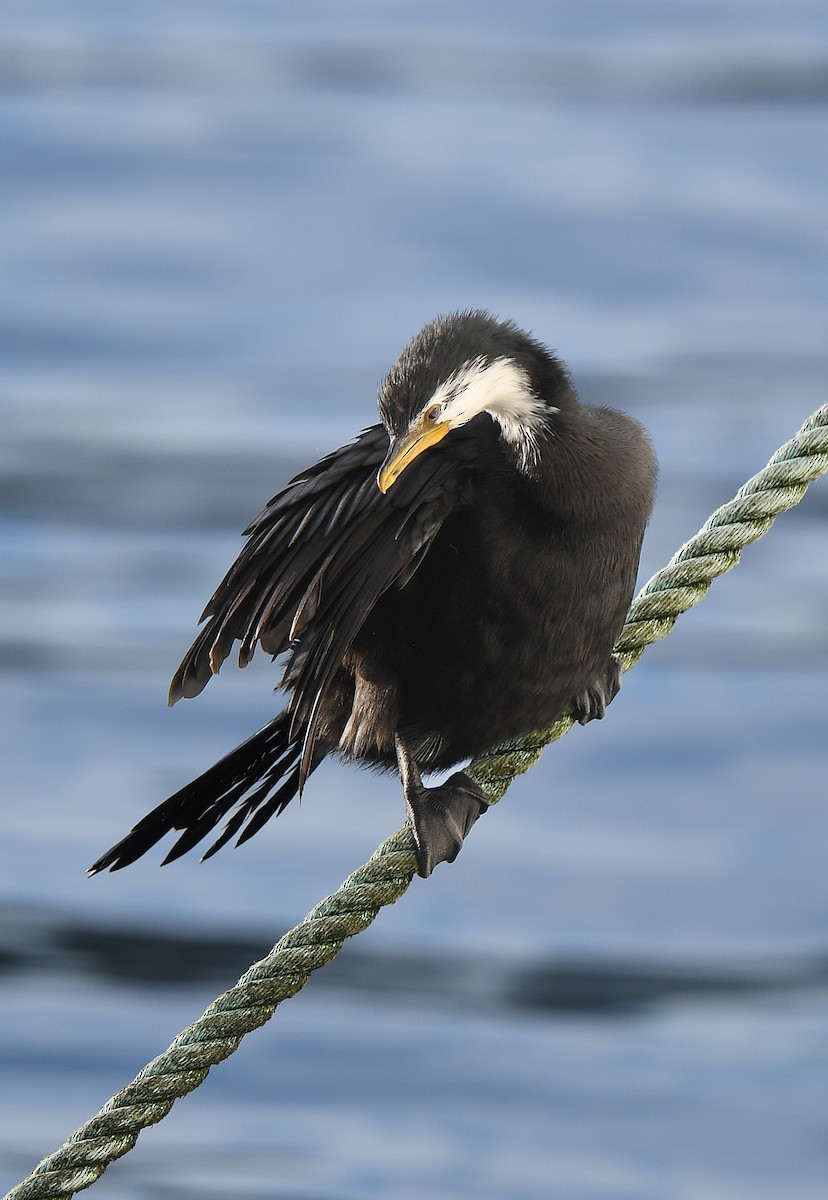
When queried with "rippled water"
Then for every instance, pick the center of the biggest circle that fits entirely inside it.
(220, 224)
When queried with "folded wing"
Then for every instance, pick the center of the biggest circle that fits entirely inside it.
(316, 560)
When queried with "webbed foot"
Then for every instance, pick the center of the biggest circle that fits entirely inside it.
(593, 701)
(440, 817)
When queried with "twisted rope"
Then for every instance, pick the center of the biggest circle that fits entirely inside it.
(217, 1034)
(385, 877)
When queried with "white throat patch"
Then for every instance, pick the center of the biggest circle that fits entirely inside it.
(502, 389)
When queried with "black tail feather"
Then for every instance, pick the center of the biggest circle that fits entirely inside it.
(282, 796)
(246, 777)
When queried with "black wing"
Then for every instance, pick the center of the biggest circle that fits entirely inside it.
(317, 559)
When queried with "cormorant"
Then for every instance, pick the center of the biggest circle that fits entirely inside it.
(454, 578)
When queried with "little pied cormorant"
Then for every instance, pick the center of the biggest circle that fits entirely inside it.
(454, 578)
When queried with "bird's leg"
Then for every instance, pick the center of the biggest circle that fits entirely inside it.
(440, 817)
(593, 700)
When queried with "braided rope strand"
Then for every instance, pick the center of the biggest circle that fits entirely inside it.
(386, 876)
(113, 1131)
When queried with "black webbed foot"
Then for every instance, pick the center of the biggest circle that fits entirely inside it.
(593, 701)
(440, 817)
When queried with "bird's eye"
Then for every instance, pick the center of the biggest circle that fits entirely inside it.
(432, 413)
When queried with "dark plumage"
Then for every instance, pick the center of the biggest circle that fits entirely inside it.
(455, 577)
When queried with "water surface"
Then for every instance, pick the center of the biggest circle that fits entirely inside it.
(220, 224)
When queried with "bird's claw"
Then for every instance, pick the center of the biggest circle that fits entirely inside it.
(441, 818)
(594, 700)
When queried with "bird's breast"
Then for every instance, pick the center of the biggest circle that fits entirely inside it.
(492, 637)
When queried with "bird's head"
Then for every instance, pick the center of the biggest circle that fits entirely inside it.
(463, 365)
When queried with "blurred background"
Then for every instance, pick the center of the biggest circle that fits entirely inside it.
(220, 224)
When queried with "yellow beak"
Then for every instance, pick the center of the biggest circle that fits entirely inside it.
(403, 451)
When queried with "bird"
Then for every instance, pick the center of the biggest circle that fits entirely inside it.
(454, 578)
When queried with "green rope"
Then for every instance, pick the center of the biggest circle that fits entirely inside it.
(284, 971)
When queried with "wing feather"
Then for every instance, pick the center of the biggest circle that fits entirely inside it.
(317, 558)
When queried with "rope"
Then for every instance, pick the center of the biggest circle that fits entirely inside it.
(217, 1034)
(385, 877)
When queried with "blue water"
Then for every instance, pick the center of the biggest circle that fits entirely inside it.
(220, 223)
